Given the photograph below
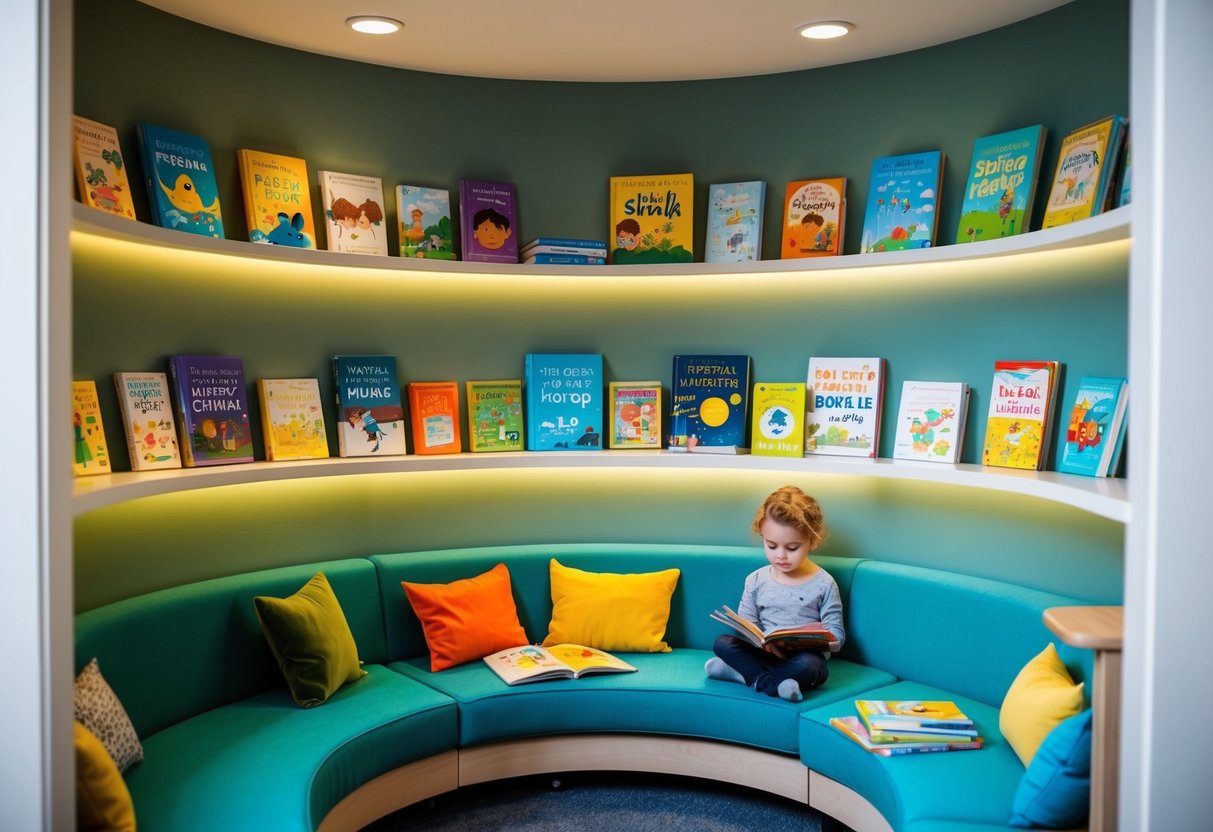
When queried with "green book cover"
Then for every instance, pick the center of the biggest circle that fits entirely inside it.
(495, 415)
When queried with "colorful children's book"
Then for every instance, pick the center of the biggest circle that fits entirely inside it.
(635, 414)
(735, 222)
(903, 202)
(912, 714)
(564, 402)
(813, 214)
(1096, 427)
(292, 419)
(853, 729)
(652, 218)
(424, 216)
(709, 402)
(532, 663)
(180, 177)
(778, 428)
(92, 454)
(812, 635)
(355, 220)
(212, 409)
(565, 259)
(846, 396)
(277, 199)
(1086, 164)
(434, 410)
(145, 402)
(931, 421)
(495, 415)
(370, 414)
(1001, 187)
(1020, 414)
(564, 245)
(488, 221)
(101, 168)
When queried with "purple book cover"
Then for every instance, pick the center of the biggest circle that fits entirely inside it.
(213, 409)
(488, 221)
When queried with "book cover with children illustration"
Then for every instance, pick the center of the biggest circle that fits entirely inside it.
(91, 455)
(1001, 185)
(734, 232)
(813, 214)
(370, 413)
(100, 168)
(277, 199)
(424, 218)
(180, 177)
(488, 221)
(1088, 158)
(212, 409)
(846, 396)
(903, 198)
(292, 420)
(354, 212)
(147, 420)
(652, 219)
(1021, 410)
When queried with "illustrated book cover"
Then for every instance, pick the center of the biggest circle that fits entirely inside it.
(813, 214)
(212, 405)
(495, 420)
(180, 177)
(488, 221)
(652, 219)
(1001, 186)
(277, 199)
(424, 218)
(563, 395)
(734, 230)
(370, 412)
(101, 168)
(1020, 414)
(709, 403)
(854, 729)
(1096, 429)
(532, 663)
(779, 410)
(292, 419)
(145, 402)
(434, 412)
(903, 202)
(809, 636)
(91, 454)
(635, 414)
(1086, 164)
(931, 419)
(355, 220)
(912, 715)
(846, 396)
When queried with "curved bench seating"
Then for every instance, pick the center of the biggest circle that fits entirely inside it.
(225, 747)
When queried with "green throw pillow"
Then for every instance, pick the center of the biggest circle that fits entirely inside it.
(311, 640)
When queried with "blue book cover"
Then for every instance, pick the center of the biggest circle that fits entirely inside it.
(709, 398)
(735, 222)
(1096, 426)
(212, 409)
(903, 202)
(564, 402)
(370, 413)
(566, 259)
(180, 177)
(999, 193)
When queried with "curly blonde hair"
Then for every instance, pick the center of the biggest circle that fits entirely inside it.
(792, 507)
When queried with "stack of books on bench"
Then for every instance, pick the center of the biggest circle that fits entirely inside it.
(889, 728)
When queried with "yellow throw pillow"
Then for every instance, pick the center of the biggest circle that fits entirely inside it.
(103, 803)
(610, 611)
(1040, 698)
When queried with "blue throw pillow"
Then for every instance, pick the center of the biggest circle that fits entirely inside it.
(1055, 791)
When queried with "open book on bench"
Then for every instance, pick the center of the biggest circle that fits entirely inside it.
(810, 636)
(532, 663)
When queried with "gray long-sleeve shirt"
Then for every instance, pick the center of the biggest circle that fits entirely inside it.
(770, 604)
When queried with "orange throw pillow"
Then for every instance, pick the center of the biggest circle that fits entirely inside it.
(467, 619)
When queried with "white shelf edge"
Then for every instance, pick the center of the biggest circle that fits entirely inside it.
(1105, 497)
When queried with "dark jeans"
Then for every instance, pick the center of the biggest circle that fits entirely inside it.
(764, 671)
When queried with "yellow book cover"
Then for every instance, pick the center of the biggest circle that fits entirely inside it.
(651, 218)
(277, 199)
(635, 414)
(101, 168)
(778, 423)
(292, 420)
(92, 455)
(1079, 183)
(1021, 404)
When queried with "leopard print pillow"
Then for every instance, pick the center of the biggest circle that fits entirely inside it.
(98, 709)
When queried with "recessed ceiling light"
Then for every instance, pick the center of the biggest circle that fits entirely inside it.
(373, 24)
(825, 29)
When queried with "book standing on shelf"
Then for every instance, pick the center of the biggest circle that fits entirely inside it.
(709, 401)
(532, 663)
(1001, 186)
(495, 415)
(903, 202)
(146, 406)
(370, 413)
(778, 428)
(811, 635)
(101, 168)
(1096, 431)
(734, 228)
(931, 421)
(652, 218)
(434, 410)
(564, 402)
(813, 214)
(277, 199)
(635, 414)
(1020, 414)
(91, 453)
(212, 409)
(424, 219)
(292, 419)
(846, 396)
(180, 177)
(1086, 165)
(488, 221)
(564, 245)
(353, 210)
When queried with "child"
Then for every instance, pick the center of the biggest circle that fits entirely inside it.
(791, 591)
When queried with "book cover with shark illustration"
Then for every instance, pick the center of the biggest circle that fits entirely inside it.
(180, 177)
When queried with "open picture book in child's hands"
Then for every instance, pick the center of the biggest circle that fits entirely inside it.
(811, 635)
(532, 663)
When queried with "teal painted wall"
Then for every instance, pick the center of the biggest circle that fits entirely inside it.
(560, 143)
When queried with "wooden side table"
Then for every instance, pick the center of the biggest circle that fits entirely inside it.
(1100, 629)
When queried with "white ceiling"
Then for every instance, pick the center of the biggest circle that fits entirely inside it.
(572, 40)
